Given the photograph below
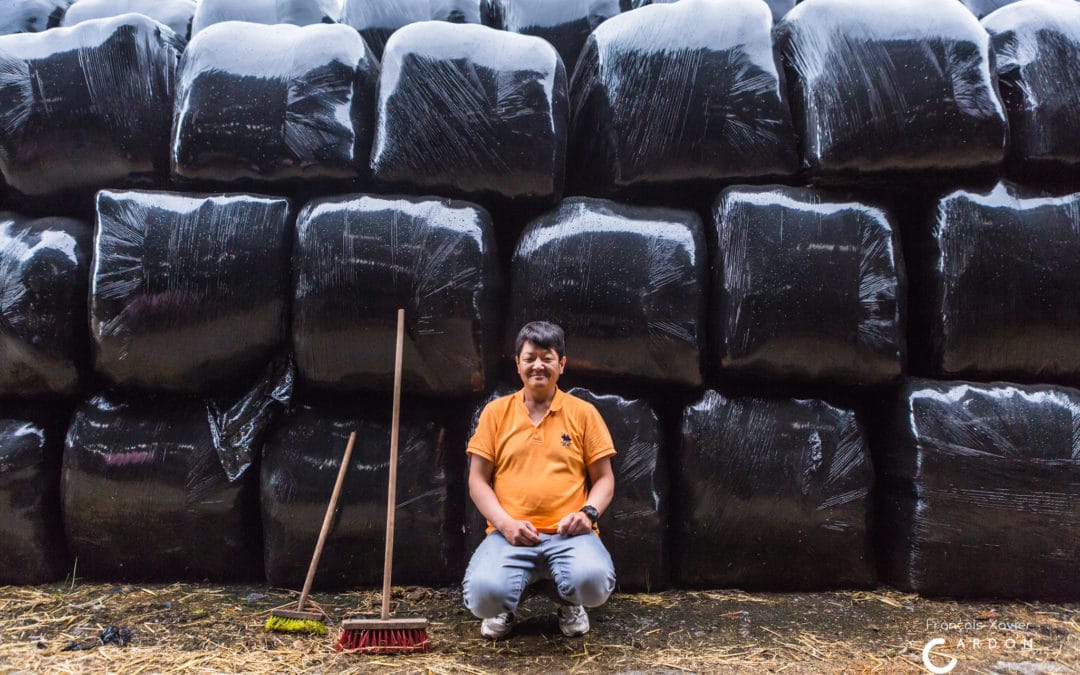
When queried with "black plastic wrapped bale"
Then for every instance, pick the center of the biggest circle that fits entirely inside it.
(295, 12)
(274, 103)
(162, 487)
(376, 20)
(778, 7)
(899, 86)
(176, 14)
(680, 92)
(981, 491)
(772, 494)
(992, 282)
(1037, 47)
(34, 551)
(807, 287)
(44, 343)
(470, 111)
(188, 293)
(301, 460)
(31, 16)
(358, 258)
(634, 527)
(627, 284)
(566, 24)
(87, 106)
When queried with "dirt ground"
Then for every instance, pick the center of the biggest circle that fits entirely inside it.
(198, 628)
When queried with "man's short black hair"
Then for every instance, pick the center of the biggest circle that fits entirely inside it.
(543, 334)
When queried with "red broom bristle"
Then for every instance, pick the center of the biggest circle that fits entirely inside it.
(388, 641)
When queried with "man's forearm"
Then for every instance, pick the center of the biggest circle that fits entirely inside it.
(601, 493)
(487, 503)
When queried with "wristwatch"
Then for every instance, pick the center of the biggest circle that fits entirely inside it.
(591, 512)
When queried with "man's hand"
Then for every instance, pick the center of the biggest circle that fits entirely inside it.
(520, 533)
(574, 524)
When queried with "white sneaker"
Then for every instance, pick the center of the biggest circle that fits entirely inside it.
(497, 626)
(573, 621)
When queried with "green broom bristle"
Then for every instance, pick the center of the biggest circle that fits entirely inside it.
(279, 624)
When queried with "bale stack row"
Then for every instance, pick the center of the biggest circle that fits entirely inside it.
(753, 235)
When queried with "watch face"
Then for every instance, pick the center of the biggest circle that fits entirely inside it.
(591, 512)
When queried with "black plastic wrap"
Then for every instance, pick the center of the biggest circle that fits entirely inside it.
(778, 7)
(566, 24)
(626, 283)
(31, 16)
(470, 111)
(992, 285)
(295, 12)
(34, 551)
(634, 527)
(274, 103)
(807, 287)
(376, 20)
(188, 293)
(161, 487)
(678, 92)
(980, 491)
(772, 494)
(1037, 46)
(44, 343)
(301, 460)
(898, 86)
(87, 106)
(358, 258)
(176, 14)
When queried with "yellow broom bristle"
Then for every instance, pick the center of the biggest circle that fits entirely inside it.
(279, 624)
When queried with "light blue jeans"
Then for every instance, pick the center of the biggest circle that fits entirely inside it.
(499, 572)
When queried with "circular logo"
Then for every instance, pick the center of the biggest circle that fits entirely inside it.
(938, 670)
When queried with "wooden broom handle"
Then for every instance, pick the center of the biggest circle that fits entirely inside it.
(391, 491)
(327, 519)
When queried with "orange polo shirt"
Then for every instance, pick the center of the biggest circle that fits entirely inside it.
(540, 470)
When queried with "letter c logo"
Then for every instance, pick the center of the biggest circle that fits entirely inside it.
(937, 670)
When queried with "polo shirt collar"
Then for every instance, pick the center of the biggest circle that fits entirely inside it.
(556, 400)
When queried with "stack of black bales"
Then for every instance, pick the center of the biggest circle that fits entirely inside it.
(188, 314)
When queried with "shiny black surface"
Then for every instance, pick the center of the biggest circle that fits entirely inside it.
(979, 486)
(1037, 46)
(44, 342)
(626, 283)
(272, 103)
(679, 92)
(188, 293)
(34, 551)
(176, 14)
(358, 258)
(160, 487)
(87, 106)
(300, 464)
(899, 86)
(565, 24)
(772, 494)
(376, 20)
(469, 111)
(994, 284)
(806, 286)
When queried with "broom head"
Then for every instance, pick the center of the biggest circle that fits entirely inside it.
(384, 636)
(293, 621)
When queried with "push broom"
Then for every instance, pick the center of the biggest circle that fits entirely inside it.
(303, 619)
(387, 635)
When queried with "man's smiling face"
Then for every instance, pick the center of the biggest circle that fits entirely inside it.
(539, 368)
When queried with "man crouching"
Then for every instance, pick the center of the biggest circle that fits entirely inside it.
(531, 455)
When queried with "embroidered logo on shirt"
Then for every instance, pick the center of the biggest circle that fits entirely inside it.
(566, 440)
